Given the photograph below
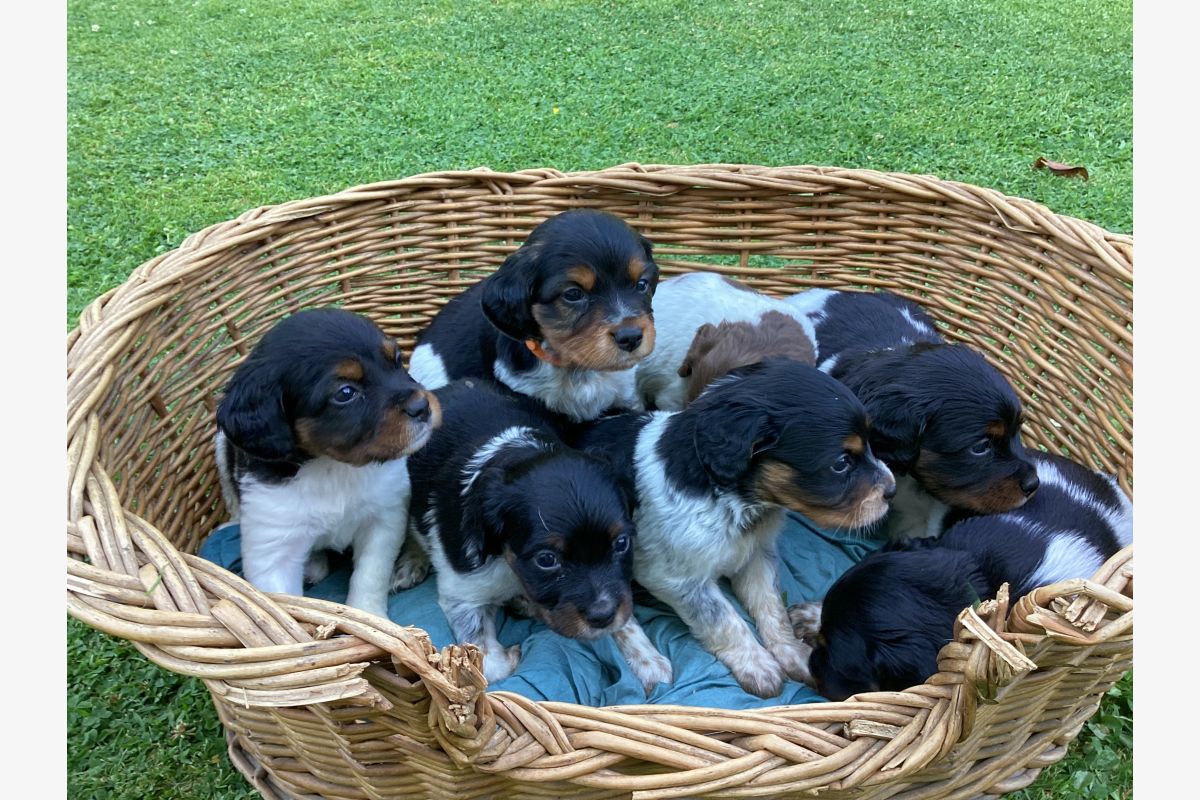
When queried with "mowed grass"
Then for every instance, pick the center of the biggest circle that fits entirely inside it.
(181, 115)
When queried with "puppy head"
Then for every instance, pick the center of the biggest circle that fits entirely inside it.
(884, 620)
(578, 292)
(947, 416)
(567, 533)
(326, 382)
(717, 349)
(787, 434)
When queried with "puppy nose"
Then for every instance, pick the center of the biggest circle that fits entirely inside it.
(628, 338)
(601, 613)
(1030, 483)
(417, 407)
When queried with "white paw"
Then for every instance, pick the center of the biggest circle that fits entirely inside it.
(756, 671)
(499, 664)
(316, 569)
(411, 568)
(793, 655)
(805, 619)
(652, 669)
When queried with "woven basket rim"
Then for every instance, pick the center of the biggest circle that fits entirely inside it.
(110, 313)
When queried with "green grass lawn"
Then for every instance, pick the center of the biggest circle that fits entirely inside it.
(184, 114)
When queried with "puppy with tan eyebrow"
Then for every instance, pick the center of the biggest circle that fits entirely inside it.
(312, 434)
(565, 319)
(712, 484)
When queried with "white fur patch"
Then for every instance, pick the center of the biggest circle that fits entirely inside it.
(427, 368)
(917, 325)
(1068, 555)
(329, 505)
(1120, 520)
(580, 394)
(517, 435)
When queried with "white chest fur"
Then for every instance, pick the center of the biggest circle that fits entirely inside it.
(580, 394)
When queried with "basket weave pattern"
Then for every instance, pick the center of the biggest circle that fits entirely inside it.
(321, 699)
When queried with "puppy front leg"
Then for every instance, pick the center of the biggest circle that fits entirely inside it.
(650, 666)
(474, 624)
(805, 619)
(756, 585)
(717, 625)
(376, 547)
(273, 557)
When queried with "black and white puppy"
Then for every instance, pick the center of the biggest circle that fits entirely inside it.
(565, 318)
(506, 510)
(944, 419)
(883, 622)
(312, 434)
(712, 483)
(749, 326)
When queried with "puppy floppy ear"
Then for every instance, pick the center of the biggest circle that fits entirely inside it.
(252, 414)
(702, 342)
(508, 295)
(726, 444)
(897, 424)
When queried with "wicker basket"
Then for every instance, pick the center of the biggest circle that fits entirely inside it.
(322, 700)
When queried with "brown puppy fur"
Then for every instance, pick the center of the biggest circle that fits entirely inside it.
(717, 349)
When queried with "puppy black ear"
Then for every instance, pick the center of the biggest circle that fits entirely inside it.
(727, 444)
(647, 247)
(252, 414)
(896, 426)
(508, 295)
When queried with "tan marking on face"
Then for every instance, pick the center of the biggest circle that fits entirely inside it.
(854, 445)
(397, 435)
(591, 346)
(349, 370)
(777, 483)
(585, 277)
(996, 497)
(636, 268)
(995, 429)
(616, 529)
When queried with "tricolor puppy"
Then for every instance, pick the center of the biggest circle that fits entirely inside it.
(883, 622)
(712, 484)
(565, 318)
(709, 324)
(313, 431)
(507, 511)
(944, 419)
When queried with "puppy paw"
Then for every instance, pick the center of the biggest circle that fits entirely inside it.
(411, 568)
(316, 569)
(793, 658)
(652, 669)
(499, 664)
(757, 672)
(805, 619)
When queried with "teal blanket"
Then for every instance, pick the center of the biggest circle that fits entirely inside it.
(594, 673)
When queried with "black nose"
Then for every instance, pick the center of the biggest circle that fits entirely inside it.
(889, 491)
(601, 613)
(1030, 483)
(417, 407)
(628, 339)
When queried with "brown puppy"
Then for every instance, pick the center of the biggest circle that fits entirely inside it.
(718, 349)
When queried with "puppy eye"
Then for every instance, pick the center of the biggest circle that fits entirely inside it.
(620, 545)
(643, 286)
(546, 560)
(573, 294)
(982, 447)
(345, 394)
(843, 463)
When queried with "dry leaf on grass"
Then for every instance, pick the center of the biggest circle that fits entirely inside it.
(1065, 170)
